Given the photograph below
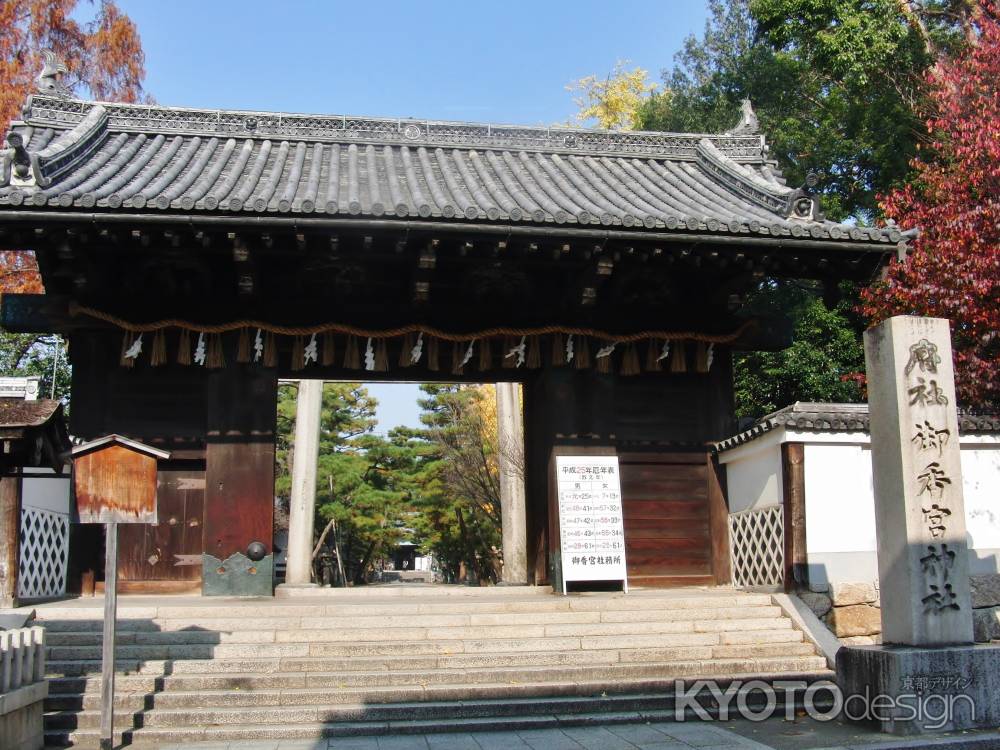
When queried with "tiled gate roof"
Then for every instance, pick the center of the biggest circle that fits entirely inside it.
(71, 154)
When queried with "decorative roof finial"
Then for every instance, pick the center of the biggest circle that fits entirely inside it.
(802, 203)
(22, 159)
(748, 124)
(50, 81)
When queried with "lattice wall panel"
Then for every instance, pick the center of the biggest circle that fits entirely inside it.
(44, 553)
(757, 547)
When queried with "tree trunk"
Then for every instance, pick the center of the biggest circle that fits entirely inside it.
(470, 552)
(360, 576)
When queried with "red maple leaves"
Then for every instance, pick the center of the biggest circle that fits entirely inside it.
(953, 268)
(103, 56)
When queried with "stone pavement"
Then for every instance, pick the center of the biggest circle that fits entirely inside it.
(773, 734)
(660, 736)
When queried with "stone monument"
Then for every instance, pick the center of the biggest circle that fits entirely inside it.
(927, 675)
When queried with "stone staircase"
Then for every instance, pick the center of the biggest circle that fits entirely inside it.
(439, 659)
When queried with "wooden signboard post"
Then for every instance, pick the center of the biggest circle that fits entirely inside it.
(591, 527)
(114, 481)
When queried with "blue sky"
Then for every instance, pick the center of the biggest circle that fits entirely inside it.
(500, 62)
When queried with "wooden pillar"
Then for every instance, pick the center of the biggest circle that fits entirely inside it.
(239, 482)
(718, 521)
(793, 490)
(510, 440)
(10, 539)
(302, 509)
(108, 638)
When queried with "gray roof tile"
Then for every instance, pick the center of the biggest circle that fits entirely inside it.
(112, 156)
(833, 417)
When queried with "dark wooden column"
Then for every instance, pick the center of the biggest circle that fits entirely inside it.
(239, 481)
(10, 539)
(718, 520)
(793, 487)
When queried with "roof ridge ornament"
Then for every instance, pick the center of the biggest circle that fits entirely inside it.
(748, 124)
(50, 80)
(20, 159)
(802, 203)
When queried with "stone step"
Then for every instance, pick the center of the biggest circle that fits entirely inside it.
(265, 611)
(447, 653)
(445, 702)
(174, 632)
(162, 692)
(410, 590)
(153, 738)
(294, 642)
(327, 666)
(423, 665)
(297, 657)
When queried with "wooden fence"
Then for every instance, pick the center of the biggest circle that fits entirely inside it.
(757, 547)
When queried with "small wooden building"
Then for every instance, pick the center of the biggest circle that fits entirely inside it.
(32, 434)
(193, 257)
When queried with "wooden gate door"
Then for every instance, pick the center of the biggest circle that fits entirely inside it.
(667, 521)
(166, 557)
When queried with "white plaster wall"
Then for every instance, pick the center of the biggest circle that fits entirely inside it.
(46, 494)
(840, 504)
(981, 485)
(753, 474)
(755, 481)
(840, 508)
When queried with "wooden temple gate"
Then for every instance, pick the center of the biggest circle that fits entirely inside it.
(194, 257)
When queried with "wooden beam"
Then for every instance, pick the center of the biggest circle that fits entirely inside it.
(597, 273)
(425, 265)
(37, 313)
(10, 545)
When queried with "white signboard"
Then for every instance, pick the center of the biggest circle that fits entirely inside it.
(26, 388)
(591, 532)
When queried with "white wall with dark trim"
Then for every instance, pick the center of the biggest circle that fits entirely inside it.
(839, 498)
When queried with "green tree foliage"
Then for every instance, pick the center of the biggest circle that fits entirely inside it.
(838, 87)
(953, 267)
(825, 352)
(44, 355)
(360, 476)
(436, 486)
(460, 500)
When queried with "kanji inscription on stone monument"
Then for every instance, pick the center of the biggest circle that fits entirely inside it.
(919, 509)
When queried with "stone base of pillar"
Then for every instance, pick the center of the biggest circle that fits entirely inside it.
(512, 583)
(287, 586)
(905, 690)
